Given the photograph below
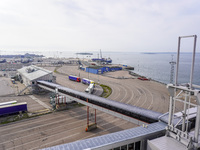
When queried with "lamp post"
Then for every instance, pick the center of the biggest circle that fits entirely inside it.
(98, 77)
(88, 72)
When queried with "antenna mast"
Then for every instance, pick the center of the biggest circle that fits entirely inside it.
(100, 54)
(172, 63)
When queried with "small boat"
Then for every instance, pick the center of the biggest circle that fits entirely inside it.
(143, 78)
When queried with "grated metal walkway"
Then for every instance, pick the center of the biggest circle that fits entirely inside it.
(116, 139)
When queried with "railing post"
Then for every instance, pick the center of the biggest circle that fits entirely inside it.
(171, 105)
(177, 61)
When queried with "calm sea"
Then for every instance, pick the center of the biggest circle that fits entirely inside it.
(151, 65)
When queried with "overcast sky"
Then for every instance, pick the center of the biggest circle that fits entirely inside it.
(90, 25)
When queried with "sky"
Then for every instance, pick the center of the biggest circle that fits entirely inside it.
(90, 25)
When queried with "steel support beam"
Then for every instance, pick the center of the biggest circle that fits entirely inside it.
(197, 125)
(184, 113)
(127, 118)
(177, 61)
(193, 60)
(171, 105)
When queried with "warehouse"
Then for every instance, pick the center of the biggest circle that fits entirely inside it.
(102, 69)
(29, 74)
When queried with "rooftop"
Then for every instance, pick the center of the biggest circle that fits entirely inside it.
(33, 72)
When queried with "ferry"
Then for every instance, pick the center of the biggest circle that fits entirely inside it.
(103, 60)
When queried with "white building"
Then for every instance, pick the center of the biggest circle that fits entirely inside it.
(30, 74)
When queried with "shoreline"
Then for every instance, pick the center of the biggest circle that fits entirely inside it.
(138, 75)
(130, 72)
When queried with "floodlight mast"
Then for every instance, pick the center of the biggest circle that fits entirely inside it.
(172, 63)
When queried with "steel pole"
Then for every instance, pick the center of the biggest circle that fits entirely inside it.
(196, 133)
(193, 60)
(87, 115)
(177, 61)
(170, 110)
(95, 117)
(184, 113)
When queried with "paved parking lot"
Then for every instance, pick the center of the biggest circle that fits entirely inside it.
(6, 87)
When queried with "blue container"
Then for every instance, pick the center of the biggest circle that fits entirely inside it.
(106, 69)
(92, 70)
(100, 71)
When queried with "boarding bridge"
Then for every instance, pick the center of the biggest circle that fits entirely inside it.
(127, 112)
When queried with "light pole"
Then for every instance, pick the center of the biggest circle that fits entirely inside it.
(98, 77)
(88, 72)
(99, 71)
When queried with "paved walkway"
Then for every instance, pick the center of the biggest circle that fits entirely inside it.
(40, 102)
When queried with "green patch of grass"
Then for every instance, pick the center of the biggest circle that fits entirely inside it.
(14, 118)
(18, 117)
(106, 91)
(56, 71)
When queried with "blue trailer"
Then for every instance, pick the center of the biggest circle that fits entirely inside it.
(85, 81)
(74, 78)
(13, 108)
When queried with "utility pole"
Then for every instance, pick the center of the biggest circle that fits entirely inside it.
(100, 54)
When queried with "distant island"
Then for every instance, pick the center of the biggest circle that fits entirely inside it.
(84, 53)
(21, 56)
(167, 52)
(149, 53)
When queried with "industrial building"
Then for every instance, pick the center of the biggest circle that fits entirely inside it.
(30, 74)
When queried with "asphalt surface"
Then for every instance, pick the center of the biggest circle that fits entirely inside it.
(69, 125)
(6, 87)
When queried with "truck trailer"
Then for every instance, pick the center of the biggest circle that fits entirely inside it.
(90, 89)
(87, 81)
(74, 78)
(13, 108)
